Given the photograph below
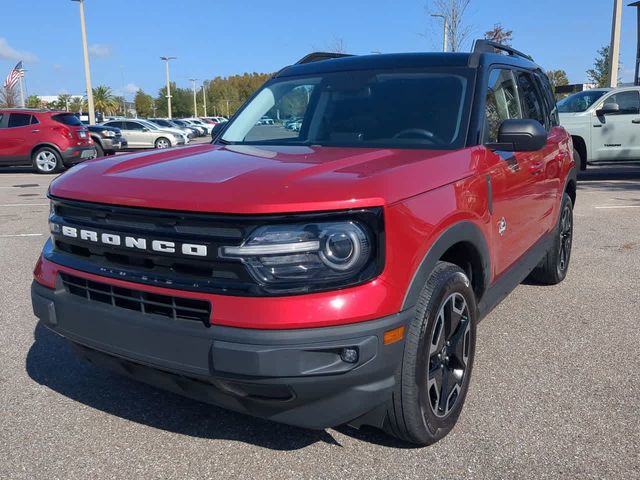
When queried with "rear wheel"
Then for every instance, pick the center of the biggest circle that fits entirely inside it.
(555, 264)
(433, 380)
(163, 143)
(46, 160)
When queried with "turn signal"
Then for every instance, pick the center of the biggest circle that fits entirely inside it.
(393, 336)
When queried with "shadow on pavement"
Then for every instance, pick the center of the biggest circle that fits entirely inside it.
(52, 363)
(18, 170)
(611, 171)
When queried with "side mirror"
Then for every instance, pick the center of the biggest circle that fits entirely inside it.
(217, 129)
(608, 109)
(520, 135)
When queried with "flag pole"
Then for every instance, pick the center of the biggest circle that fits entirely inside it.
(21, 88)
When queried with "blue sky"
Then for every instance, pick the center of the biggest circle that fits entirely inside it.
(225, 37)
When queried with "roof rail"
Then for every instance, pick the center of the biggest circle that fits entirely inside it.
(319, 56)
(488, 46)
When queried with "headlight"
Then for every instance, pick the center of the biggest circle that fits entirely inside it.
(108, 133)
(310, 256)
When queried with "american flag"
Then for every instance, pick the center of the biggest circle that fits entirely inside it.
(14, 76)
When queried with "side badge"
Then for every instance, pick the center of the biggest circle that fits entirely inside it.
(502, 226)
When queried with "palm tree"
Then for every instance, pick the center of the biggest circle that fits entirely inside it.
(64, 99)
(77, 105)
(104, 101)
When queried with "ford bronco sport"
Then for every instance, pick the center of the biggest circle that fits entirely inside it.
(326, 276)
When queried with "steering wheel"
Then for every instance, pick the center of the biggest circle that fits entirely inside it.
(412, 132)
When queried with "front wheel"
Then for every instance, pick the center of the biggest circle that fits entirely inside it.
(432, 383)
(99, 150)
(555, 264)
(162, 143)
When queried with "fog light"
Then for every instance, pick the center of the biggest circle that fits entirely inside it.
(349, 355)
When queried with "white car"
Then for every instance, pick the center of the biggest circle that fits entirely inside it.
(140, 135)
(604, 124)
(176, 131)
(207, 126)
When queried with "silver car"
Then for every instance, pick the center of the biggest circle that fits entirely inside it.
(141, 135)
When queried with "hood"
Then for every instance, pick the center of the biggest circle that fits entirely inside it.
(254, 180)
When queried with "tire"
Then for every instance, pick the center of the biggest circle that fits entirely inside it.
(162, 142)
(582, 163)
(555, 264)
(415, 413)
(99, 150)
(46, 160)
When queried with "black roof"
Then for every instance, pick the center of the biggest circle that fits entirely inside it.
(484, 53)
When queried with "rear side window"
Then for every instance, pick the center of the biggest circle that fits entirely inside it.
(531, 101)
(629, 102)
(19, 120)
(549, 99)
(502, 102)
(34, 120)
(67, 119)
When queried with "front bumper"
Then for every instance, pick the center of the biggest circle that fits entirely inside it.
(290, 376)
(73, 155)
(112, 144)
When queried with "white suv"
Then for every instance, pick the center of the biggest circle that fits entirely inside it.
(604, 124)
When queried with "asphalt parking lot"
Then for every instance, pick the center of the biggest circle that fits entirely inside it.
(555, 392)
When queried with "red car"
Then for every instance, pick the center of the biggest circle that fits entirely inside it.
(331, 275)
(48, 140)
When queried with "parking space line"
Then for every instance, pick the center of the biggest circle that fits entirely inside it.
(606, 207)
(22, 235)
(25, 205)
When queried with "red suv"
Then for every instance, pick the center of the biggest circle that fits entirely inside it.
(330, 275)
(48, 140)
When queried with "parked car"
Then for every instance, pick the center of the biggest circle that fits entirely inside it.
(179, 132)
(330, 277)
(107, 140)
(604, 124)
(207, 126)
(166, 123)
(48, 140)
(202, 131)
(140, 135)
(197, 132)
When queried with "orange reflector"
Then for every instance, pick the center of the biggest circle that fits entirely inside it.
(393, 336)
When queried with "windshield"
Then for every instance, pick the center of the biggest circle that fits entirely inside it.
(579, 102)
(372, 108)
(149, 125)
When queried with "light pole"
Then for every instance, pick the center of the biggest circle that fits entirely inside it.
(166, 61)
(227, 100)
(444, 30)
(614, 48)
(195, 104)
(87, 69)
(204, 100)
(636, 78)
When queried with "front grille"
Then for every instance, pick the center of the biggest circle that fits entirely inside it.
(209, 273)
(176, 308)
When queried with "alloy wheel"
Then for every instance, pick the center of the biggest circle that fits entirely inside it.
(448, 354)
(162, 143)
(46, 161)
(566, 234)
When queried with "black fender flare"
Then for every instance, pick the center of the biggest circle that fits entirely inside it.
(464, 231)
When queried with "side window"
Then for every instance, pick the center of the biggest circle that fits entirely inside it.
(1, 117)
(34, 120)
(629, 102)
(502, 102)
(19, 120)
(549, 99)
(132, 126)
(531, 101)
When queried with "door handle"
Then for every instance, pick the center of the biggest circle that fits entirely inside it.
(635, 120)
(35, 131)
(536, 168)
